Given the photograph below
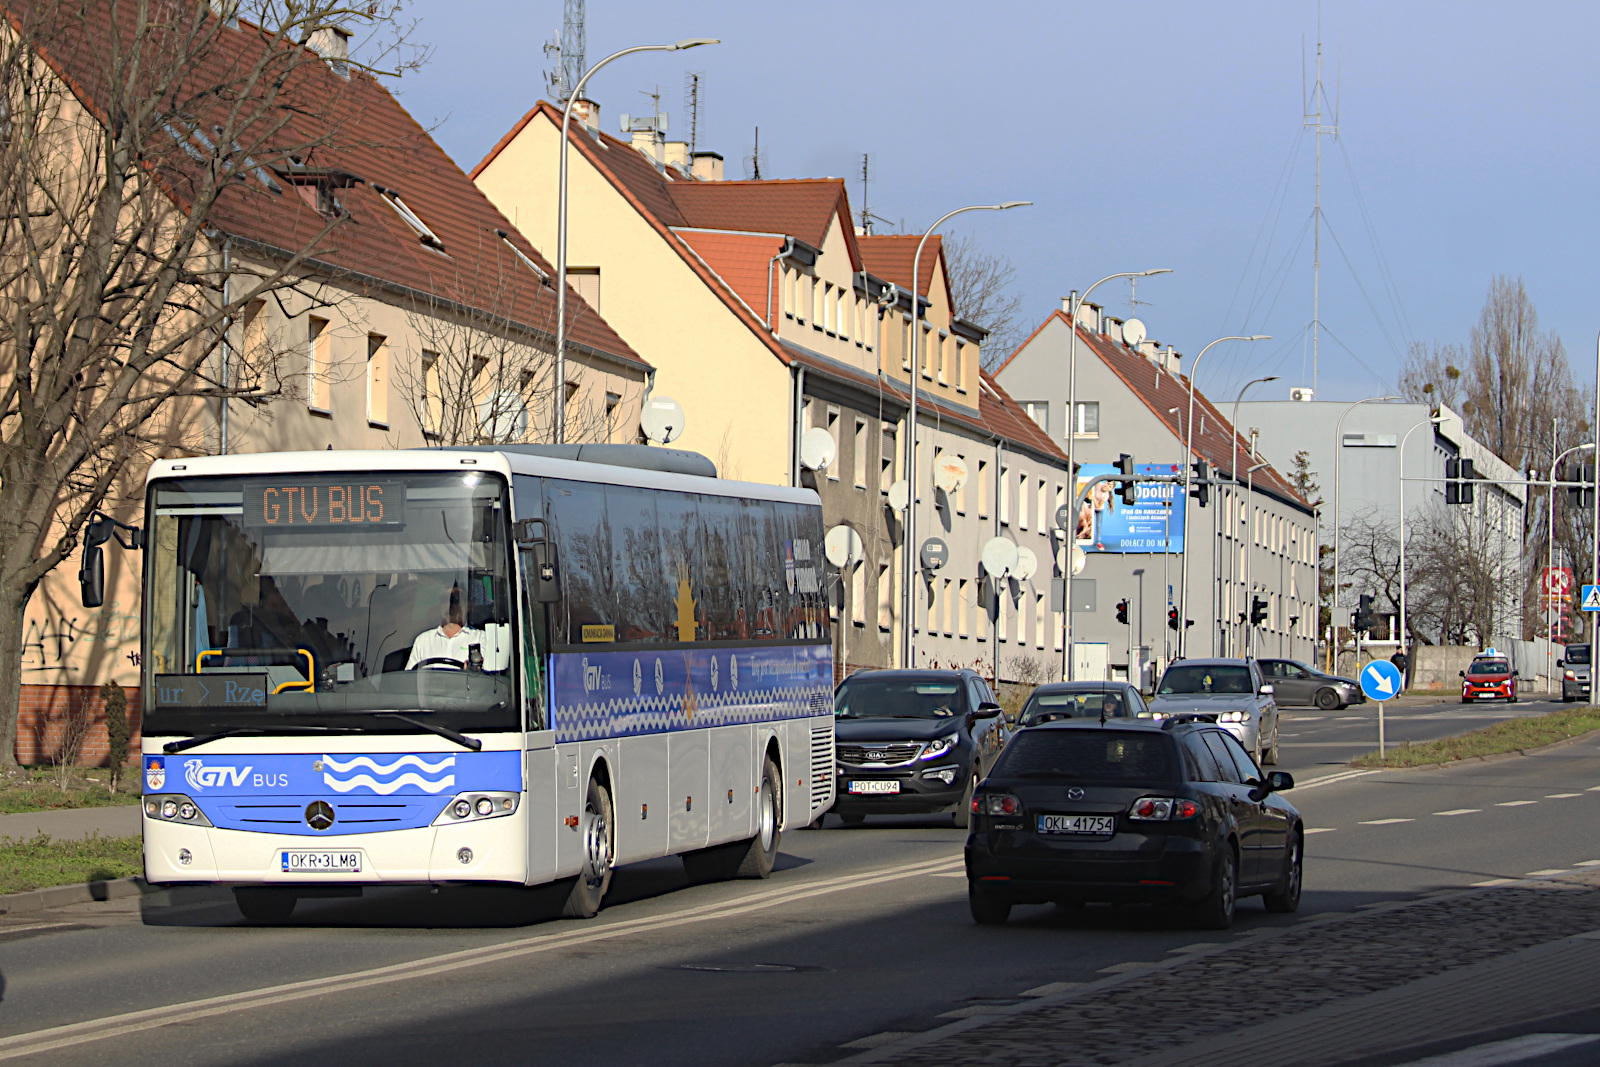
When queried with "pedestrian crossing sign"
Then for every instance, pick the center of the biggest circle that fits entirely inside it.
(1591, 598)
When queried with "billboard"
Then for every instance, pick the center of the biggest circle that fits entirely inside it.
(1154, 523)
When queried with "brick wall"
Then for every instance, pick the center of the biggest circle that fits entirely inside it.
(45, 717)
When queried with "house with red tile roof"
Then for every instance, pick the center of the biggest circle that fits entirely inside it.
(1256, 541)
(766, 315)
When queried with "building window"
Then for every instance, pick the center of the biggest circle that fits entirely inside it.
(430, 406)
(860, 457)
(843, 316)
(1040, 614)
(964, 608)
(1041, 514)
(1039, 412)
(925, 356)
(961, 367)
(961, 493)
(833, 432)
(813, 312)
(981, 631)
(944, 356)
(425, 235)
(983, 489)
(948, 607)
(318, 364)
(585, 281)
(377, 380)
(858, 596)
(885, 599)
(1022, 501)
(887, 449)
(613, 401)
(827, 307)
(1005, 496)
(786, 291)
(930, 612)
(1087, 422)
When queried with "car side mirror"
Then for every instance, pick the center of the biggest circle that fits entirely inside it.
(1561, 663)
(1461, 674)
(1280, 780)
(546, 578)
(1516, 674)
(1266, 690)
(92, 577)
(989, 711)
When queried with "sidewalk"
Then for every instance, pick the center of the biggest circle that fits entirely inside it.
(1332, 989)
(65, 823)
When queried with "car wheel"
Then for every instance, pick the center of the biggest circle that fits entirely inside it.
(265, 904)
(1286, 897)
(963, 814)
(988, 907)
(596, 828)
(852, 820)
(1327, 700)
(1269, 758)
(1215, 910)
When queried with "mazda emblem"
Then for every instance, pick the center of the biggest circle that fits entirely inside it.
(1072, 794)
(319, 815)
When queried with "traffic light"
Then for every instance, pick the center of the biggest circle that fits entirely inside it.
(1459, 476)
(1130, 489)
(1361, 619)
(1200, 485)
(1122, 612)
(1579, 496)
(1258, 611)
(1172, 618)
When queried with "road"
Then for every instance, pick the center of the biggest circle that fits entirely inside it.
(863, 932)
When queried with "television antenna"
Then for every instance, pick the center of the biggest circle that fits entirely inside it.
(693, 101)
(752, 162)
(867, 217)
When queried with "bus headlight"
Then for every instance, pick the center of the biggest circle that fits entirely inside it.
(174, 807)
(473, 807)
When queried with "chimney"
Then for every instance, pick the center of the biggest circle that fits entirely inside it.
(645, 142)
(1170, 360)
(1089, 316)
(333, 44)
(587, 112)
(1150, 350)
(706, 166)
(678, 155)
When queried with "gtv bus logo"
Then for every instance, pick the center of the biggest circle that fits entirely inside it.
(199, 776)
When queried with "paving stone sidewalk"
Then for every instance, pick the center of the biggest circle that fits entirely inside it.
(1330, 990)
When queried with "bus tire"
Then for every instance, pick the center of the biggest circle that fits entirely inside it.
(761, 851)
(265, 903)
(597, 828)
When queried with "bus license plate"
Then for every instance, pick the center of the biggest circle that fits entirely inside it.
(875, 787)
(321, 862)
(1077, 824)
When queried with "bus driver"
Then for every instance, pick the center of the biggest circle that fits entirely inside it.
(449, 646)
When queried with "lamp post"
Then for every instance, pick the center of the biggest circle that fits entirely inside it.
(1338, 451)
(1550, 541)
(1075, 305)
(1249, 590)
(1431, 420)
(1594, 553)
(1233, 433)
(558, 426)
(1188, 467)
(908, 601)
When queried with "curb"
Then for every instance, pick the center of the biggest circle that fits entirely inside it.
(62, 895)
(1493, 757)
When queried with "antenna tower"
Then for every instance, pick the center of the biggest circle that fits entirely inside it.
(693, 99)
(1317, 106)
(568, 48)
(752, 162)
(1134, 303)
(867, 217)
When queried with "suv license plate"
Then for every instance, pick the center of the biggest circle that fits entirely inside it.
(321, 862)
(875, 787)
(1077, 824)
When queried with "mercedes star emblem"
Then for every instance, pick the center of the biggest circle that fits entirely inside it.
(1072, 794)
(319, 815)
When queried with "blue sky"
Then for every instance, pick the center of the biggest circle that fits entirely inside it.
(1161, 134)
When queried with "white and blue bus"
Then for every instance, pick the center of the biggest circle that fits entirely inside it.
(515, 665)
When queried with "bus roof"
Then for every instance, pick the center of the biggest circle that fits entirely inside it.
(505, 463)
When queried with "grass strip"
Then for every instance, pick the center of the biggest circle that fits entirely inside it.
(40, 861)
(1513, 735)
(41, 790)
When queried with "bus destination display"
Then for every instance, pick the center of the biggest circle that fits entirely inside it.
(324, 501)
(211, 691)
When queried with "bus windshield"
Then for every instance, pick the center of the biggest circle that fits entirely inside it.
(329, 602)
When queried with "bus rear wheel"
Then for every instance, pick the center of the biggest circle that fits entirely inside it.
(761, 851)
(594, 879)
(265, 903)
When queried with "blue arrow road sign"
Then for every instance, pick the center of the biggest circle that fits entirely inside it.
(1591, 598)
(1381, 680)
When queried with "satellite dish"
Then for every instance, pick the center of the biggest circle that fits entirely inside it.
(935, 553)
(999, 556)
(1027, 562)
(843, 546)
(949, 472)
(899, 495)
(503, 417)
(1080, 560)
(1064, 517)
(1132, 333)
(662, 420)
(816, 449)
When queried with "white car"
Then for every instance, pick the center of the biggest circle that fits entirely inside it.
(1230, 692)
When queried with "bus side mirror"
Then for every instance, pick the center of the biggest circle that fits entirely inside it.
(546, 577)
(92, 577)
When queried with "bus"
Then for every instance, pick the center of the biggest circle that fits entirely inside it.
(517, 665)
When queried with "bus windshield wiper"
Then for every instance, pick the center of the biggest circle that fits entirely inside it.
(432, 727)
(174, 747)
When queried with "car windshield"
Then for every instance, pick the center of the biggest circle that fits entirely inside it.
(1489, 666)
(1088, 756)
(900, 698)
(1086, 704)
(1577, 655)
(1198, 678)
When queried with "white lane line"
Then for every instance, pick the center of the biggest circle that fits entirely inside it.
(1495, 881)
(1514, 803)
(877, 1040)
(1587, 863)
(27, 1044)
(1561, 796)
(1459, 811)
(30, 926)
(1541, 874)
(1384, 822)
(1322, 829)
(1341, 776)
(1593, 789)
(949, 874)
(1514, 1050)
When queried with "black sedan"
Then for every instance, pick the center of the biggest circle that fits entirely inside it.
(1125, 812)
(913, 742)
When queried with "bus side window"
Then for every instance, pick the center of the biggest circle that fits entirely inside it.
(534, 639)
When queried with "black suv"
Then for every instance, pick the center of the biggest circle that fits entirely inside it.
(1076, 811)
(912, 742)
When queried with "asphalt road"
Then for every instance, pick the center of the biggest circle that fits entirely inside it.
(862, 932)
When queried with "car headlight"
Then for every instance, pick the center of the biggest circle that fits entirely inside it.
(939, 746)
(1234, 716)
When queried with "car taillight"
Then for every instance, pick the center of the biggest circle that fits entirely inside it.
(1151, 809)
(1185, 809)
(996, 804)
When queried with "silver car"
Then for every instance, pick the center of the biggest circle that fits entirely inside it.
(1231, 692)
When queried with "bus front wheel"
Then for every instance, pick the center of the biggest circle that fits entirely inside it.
(595, 878)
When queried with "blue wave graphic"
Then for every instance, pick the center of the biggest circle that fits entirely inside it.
(385, 788)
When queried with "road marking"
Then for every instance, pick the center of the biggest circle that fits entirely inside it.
(1123, 968)
(1322, 829)
(1541, 874)
(30, 926)
(1052, 988)
(1593, 789)
(949, 874)
(1495, 881)
(1514, 803)
(27, 1044)
(1514, 1050)
(1383, 822)
(877, 1040)
(1561, 796)
(1330, 779)
(1587, 863)
(1459, 811)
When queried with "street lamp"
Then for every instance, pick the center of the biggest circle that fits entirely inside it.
(1431, 420)
(1594, 553)
(1249, 590)
(1338, 452)
(559, 421)
(909, 546)
(1188, 467)
(1233, 434)
(1549, 545)
(1070, 540)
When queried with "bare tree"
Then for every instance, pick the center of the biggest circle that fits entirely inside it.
(982, 291)
(135, 137)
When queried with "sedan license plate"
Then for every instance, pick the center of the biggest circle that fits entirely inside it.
(875, 787)
(1077, 824)
(321, 862)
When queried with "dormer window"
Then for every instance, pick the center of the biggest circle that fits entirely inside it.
(318, 187)
(425, 235)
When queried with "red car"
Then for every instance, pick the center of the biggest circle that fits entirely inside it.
(1488, 677)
